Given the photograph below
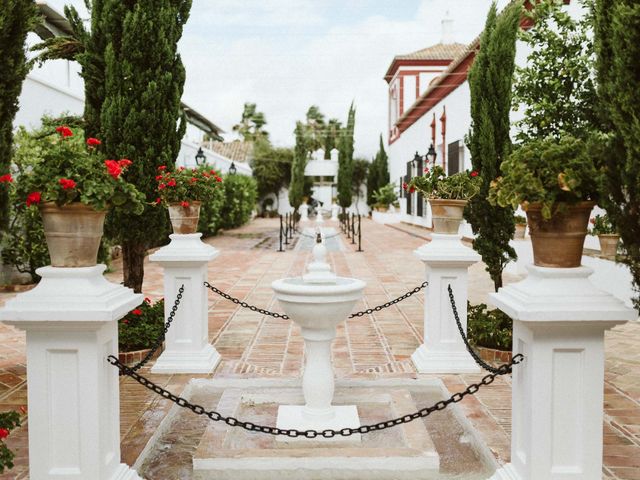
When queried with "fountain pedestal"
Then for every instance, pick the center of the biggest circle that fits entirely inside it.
(318, 302)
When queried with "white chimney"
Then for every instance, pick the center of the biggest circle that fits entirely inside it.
(447, 30)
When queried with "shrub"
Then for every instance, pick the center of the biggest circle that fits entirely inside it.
(489, 328)
(186, 185)
(551, 172)
(141, 327)
(386, 195)
(520, 219)
(211, 213)
(8, 421)
(601, 225)
(436, 184)
(240, 196)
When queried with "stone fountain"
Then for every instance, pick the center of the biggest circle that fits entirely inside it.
(318, 301)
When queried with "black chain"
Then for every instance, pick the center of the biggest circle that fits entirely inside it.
(481, 363)
(368, 311)
(329, 433)
(324, 238)
(160, 338)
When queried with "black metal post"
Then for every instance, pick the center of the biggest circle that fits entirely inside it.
(281, 230)
(286, 229)
(353, 229)
(359, 233)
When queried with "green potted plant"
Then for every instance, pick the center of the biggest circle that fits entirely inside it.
(556, 183)
(183, 191)
(384, 197)
(139, 329)
(607, 235)
(74, 187)
(521, 226)
(448, 195)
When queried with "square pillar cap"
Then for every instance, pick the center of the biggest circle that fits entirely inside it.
(447, 251)
(560, 295)
(185, 250)
(71, 295)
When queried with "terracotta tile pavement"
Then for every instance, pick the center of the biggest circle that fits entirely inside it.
(371, 346)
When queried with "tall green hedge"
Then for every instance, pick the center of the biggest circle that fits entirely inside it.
(617, 35)
(240, 196)
(17, 18)
(345, 161)
(141, 118)
(490, 82)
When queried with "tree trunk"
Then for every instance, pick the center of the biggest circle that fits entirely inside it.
(497, 282)
(133, 254)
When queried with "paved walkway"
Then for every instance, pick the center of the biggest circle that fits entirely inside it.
(373, 346)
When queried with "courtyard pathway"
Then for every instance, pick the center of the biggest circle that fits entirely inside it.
(369, 347)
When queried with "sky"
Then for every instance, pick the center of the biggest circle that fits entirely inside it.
(286, 55)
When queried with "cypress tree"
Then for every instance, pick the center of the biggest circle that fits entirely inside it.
(617, 39)
(141, 118)
(378, 175)
(490, 81)
(300, 153)
(345, 162)
(17, 18)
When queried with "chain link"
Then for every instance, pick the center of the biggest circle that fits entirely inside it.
(481, 363)
(160, 338)
(329, 433)
(262, 311)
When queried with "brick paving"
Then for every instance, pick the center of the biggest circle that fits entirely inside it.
(368, 347)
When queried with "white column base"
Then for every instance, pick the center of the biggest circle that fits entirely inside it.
(178, 361)
(430, 361)
(295, 416)
(506, 472)
(124, 472)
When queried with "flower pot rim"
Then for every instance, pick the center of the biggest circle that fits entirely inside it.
(580, 204)
(191, 202)
(608, 235)
(450, 201)
(72, 205)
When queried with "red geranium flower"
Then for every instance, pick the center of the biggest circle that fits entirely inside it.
(213, 172)
(474, 174)
(136, 311)
(180, 169)
(33, 197)
(64, 131)
(125, 162)
(218, 179)
(412, 189)
(147, 299)
(93, 142)
(67, 183)
(162, 167)
(6, 178)
(184, 204)
(125, 322)
(158, 201)
(404, 186)
(171, 183)
(113, 168)
(162, 186)
(4, 433)
(194, 179)
(158, 177)
(593, 221)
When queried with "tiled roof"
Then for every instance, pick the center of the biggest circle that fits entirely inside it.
(440, 51)
(237, 151)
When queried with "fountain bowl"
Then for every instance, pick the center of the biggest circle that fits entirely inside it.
(318, 306)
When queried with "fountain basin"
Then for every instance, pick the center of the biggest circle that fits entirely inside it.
(318, 306)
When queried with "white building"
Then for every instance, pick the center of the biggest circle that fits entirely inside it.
(429, 104)
(56, 88)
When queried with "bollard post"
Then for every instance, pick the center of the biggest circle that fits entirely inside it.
(359, 233)
(559, 321)
(353, 229)
(281, 249)
(187, 347)
(447, 261)
(286, 229)
(71, 323)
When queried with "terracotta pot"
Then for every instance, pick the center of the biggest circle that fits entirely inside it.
(382, 209)
(609, 244)
(73, 233)
(558, 242)
(184, 219)
(447, 215)
(520, 229)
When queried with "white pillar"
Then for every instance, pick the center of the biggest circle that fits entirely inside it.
(447, 261)
(70, 320)
(187, 348)
(557, 392)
